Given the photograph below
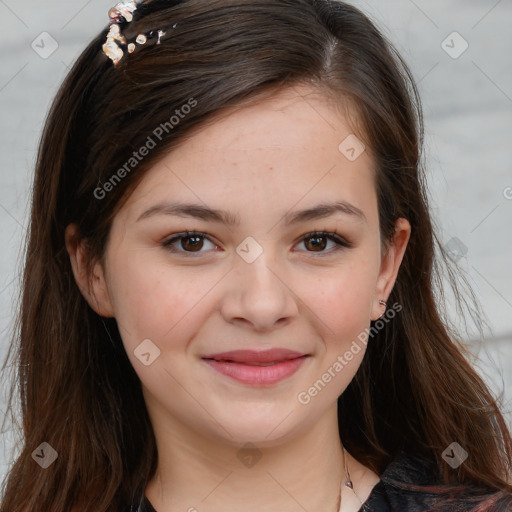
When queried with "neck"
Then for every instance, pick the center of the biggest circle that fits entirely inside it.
(199, 473)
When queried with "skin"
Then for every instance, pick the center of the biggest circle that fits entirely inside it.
(261, 162)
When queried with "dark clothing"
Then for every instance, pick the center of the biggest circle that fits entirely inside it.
(408, 484)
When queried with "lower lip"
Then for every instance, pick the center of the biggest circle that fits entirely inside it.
(257, 375)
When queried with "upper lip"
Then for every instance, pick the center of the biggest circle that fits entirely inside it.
(256, 356)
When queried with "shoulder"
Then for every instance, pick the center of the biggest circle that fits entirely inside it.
(410, 484)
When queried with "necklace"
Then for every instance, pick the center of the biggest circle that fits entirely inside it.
(348, 483)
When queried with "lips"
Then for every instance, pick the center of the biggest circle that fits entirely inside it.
(256, 358)
(257, 368)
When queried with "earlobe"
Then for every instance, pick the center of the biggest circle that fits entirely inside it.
(390, 266)
(92, 284)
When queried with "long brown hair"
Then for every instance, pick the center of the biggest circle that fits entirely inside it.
(415, 389)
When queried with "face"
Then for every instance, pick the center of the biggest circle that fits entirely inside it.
(262, 267)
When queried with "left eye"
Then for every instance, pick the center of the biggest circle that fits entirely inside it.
(338, 241)
(190, 242)
(193, 242)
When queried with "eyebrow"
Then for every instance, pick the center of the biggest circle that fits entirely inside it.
(198, 211)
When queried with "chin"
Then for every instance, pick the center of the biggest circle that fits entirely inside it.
(264, 429)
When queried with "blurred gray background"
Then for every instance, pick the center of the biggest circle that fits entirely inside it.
(460, 54)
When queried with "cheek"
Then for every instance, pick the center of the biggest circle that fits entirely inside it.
(342, 305)
(153, 299)
(147, 298)
(342, 298)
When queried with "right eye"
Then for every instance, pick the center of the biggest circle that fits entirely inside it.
(190, 242)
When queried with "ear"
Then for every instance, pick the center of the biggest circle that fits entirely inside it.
(390, 264)
(93, 287)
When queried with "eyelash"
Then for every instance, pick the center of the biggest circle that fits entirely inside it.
(341, 243)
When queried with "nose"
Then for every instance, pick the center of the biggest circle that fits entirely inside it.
(259, 295)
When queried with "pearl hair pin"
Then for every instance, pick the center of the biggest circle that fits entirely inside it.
(114, 46)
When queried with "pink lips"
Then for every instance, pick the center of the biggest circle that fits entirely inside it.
(257, 368)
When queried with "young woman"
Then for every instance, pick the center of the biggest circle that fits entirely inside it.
(231, 296)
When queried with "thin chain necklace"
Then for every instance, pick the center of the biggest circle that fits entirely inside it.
(348, 483)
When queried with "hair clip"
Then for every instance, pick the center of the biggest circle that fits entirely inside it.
(123, 12)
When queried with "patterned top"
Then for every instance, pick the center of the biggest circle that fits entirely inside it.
(409, 484)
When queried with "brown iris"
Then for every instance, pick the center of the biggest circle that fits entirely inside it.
(196, 244)
(316, 245)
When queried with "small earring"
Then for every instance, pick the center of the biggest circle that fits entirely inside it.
(383, 303)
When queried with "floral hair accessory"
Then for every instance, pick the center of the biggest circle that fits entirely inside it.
(122, 12)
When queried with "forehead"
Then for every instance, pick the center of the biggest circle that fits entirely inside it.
(286, 118)
(284, 148)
